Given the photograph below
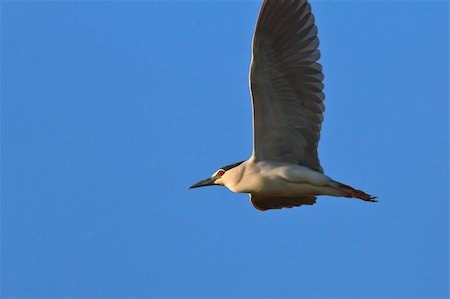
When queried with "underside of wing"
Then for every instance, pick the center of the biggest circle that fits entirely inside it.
(264, 203)
(286, 84)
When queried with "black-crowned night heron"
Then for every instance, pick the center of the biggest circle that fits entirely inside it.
(286, 85)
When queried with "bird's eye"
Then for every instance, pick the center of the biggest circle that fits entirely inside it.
(220, 172)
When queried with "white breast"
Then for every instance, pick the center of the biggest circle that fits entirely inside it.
(275, 178)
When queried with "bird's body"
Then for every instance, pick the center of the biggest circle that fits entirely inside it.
(271, 178)
(286, 84)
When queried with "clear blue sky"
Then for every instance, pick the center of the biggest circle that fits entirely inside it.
(110, 110)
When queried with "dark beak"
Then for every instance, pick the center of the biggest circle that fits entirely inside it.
(206, 182)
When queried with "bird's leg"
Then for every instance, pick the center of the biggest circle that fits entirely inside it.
(354, 193)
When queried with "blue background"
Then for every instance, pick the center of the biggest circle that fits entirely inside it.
(110, 110)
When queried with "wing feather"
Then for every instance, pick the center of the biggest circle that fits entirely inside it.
(264, 203)
(286, 84)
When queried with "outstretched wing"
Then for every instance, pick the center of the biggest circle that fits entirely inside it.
(264, 203)
(286, 84)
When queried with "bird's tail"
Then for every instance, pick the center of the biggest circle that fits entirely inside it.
(355, 193)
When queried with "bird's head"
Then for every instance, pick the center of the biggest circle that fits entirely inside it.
(217, 178)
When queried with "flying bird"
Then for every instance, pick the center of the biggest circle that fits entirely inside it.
(284, 170)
